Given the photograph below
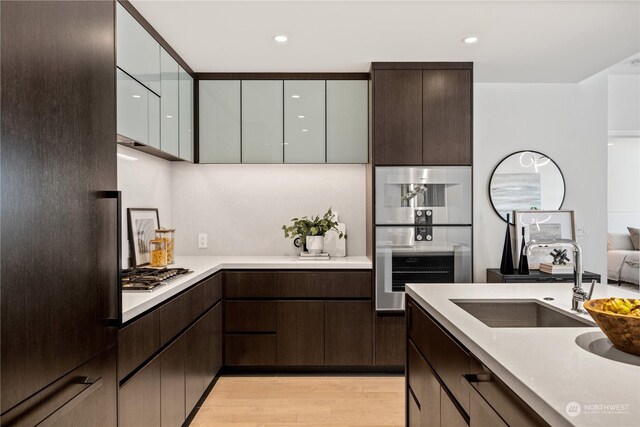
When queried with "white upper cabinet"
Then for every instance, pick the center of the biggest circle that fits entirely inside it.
(347, 121)
(186, 115)
(219, 121)
(137, 52)
(169, 104)
(132, 108)
(154, 120)
(262, 115)
(304, 121)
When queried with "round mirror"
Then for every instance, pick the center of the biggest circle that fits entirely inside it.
(526, 180)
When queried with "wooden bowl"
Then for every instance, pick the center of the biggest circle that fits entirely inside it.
(623, 331)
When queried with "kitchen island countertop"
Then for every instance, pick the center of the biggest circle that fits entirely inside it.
(135, 303)
(544, 366)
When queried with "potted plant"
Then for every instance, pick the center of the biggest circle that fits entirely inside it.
(311, 231)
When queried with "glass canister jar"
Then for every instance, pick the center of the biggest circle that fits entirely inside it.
(168, 235)
(158, 253)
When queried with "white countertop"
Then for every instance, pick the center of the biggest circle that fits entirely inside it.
(135, 303)
(544, 366)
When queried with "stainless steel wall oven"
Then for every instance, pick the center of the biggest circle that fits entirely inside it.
(423, 229)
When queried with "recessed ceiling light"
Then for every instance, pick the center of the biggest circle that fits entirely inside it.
(169, 117)
(280, 38)
(295, 96)
(610, 144)
(136, 96)
(301, 117)
(470, 40)
(305, 130)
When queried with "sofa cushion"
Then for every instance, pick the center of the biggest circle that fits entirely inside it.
(635, 237)
(619, 241)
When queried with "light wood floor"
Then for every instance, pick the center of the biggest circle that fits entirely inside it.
(303, 400)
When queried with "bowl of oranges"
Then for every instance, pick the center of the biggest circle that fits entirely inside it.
(619, 319)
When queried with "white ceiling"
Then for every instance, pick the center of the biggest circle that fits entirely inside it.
(520, 41)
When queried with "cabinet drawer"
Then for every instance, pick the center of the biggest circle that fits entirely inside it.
(493, 404)
(244, 350)
(450, 416)
(250, 284)
(250, 316)
(139, 398)
(413, 411)
(137, 342)
(178, 313)
(448, 359)
(323, 284)
(211, 291)
(425, 388)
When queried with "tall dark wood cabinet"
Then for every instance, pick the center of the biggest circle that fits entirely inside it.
(397, 117)
(422, 113)
(446, 117)
(59, 261)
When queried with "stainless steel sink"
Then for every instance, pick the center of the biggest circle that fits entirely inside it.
(520, 314)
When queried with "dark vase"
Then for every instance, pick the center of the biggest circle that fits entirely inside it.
(506, 266)
(523, 262)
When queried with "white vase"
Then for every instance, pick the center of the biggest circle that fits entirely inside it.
(315, 244)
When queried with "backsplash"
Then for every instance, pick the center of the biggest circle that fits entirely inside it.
(241, 207)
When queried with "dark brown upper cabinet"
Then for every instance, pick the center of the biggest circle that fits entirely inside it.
(397, 117)
(422, 113)
(446, 117)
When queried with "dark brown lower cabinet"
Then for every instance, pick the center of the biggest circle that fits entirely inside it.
(450, 387)
(413, 415)
(482, 415)
(390, 339)
(250, 350)
(165, 391)
(172, 385)
(425, 388)
(213, 346)
(139, 399)
(300, 336)
(449, 414)
(348, 333)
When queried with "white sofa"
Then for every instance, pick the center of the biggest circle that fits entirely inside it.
(623, 261)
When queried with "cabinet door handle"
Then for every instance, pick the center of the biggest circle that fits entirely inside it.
(109, 246)
(92, 385)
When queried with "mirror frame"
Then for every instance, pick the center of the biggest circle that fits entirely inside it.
(564, 183)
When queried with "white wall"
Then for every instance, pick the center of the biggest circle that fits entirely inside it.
(624, 184)
(624, 102)
(568, 122)
(243, 207)
(145, 183)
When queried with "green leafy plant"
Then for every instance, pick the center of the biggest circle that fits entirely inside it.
(314, 226)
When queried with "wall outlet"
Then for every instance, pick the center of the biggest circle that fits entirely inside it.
(202, 241)
(582, 229)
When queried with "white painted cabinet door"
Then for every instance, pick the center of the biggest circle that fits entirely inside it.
(347, 121)
(219, 121)
(137, 52)
(169, 104)
(304, 121)
(262, 127)
(186, 116)
(154, 120)
(132, 108)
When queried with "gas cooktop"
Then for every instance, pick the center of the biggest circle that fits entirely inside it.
(148, 278)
